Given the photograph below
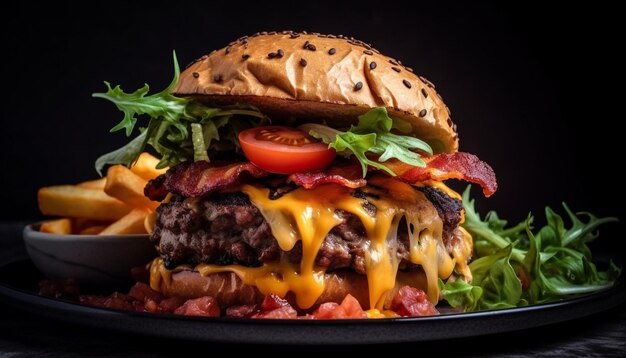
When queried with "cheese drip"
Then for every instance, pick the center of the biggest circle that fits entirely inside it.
(309, 215)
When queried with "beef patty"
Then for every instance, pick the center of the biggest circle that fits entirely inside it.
(228, 229)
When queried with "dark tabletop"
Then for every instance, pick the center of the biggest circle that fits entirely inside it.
(22, 333)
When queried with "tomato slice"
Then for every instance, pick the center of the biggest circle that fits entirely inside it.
(284, 150)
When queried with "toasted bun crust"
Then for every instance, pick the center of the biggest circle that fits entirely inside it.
(229, 290)
(302, 77)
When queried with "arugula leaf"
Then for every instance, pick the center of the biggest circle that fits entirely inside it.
(461, 294)
(180, 129)
(126, 154)
(498, 280)
(373, 134)
(515, 267)
(162, 104)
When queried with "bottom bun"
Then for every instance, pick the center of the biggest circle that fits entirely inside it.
(229, 290)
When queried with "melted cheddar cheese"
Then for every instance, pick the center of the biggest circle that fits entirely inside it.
(308, 215)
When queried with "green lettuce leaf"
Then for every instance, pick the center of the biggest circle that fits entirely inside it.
(373, 134)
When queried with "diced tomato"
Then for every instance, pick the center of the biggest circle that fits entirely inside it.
(204, 306)
(142, 292)
(286, 312)
(119, 301)
(140, 274)
(151, 306)
(241, 311)
(284, 150)
(273, 301)
(171, 304)
(349, 308)
(412, 302)
(91, 300)
(67, 289)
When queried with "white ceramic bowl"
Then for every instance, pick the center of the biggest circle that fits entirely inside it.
(90, 259)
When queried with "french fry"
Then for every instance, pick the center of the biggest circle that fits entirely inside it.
(80, 224)
(93, 184)
(127, 186)
(150, 222)
(73, 201)
(92, 230)
(59, 226)
(132, 223)
(146, 167)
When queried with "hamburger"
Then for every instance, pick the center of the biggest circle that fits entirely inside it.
(306, 166)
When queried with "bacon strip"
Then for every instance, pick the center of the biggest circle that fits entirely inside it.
(195, 179)
(459, 165)
(345, 173)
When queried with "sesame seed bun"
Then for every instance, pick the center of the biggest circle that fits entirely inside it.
(296, 78)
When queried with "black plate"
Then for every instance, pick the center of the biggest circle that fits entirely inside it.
(18, 282)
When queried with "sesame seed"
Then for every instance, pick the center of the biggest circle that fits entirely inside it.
(450, 122)
(358, 86)
(454, 127)
(423, 113)
(204, 57)
(311, 47)
(303, 62)
(393, 62)
(245, 56)
(407, 83)
(272, 55)
(228, 49)
(212, 52)
(396, 69)
(280, 53)
(306, 44)
(196, 75)
(272, 33)
(424, 93)
(332, 51)
(372, 65)
(263, 32)
(217, 78)
(294, 35)
(367, 52)
(408, 69)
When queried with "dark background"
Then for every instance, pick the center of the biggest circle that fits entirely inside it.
(527, 86)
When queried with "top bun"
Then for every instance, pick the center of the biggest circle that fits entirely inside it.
(301, 77)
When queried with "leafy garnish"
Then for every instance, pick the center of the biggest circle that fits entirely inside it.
(516, 266)
(180, 129)
(373, 134)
